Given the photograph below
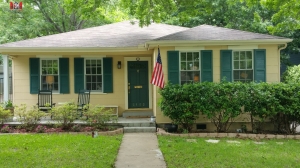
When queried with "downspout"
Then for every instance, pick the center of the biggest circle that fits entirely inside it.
(279, 49)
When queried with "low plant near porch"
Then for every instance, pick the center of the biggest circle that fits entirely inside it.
(29, 118)
(98, 116)
(4, 115)
(65, 114)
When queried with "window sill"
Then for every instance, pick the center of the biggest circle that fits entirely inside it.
(98, 93)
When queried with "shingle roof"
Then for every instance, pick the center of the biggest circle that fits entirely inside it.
(207, 32)
(122, 34)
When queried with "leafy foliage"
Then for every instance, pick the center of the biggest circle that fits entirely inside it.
(178, 105)
(98, 116)
(65, 114)
(29, 118)
(4, 114)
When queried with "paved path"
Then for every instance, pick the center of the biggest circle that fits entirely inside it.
(140, 150)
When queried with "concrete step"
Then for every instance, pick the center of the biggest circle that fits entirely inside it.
(139, 129)
(140, 124)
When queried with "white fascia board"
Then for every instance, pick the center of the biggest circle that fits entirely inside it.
(153, 44)
(68, 49)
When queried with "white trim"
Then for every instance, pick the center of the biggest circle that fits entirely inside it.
(92, 56)
(41, 72)
(84, 63)
(126, 59)
(5, 77)
(248, 47)
(48, 56)
(189, 49)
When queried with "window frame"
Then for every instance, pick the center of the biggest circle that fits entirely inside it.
(41, 73)
(85, 74)
(233, 68)
(199, 67)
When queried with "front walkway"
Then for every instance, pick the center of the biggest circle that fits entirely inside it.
(140, 150)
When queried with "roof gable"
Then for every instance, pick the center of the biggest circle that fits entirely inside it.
(207, 32)
(122, 34)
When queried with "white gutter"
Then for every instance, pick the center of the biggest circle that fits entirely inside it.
(11, 50)
(153, 44)
(279, 49)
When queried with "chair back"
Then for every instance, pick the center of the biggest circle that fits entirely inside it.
(45, 99)
(83, 97)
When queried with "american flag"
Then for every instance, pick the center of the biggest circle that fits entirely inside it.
(158, 75)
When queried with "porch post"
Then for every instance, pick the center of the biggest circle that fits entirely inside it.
(5, 77)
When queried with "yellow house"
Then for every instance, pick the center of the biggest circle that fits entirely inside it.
(116, 61)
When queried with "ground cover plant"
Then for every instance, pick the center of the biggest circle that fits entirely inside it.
(58, 150)
(196, 152)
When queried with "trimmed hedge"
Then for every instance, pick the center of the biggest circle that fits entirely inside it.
(222, 103)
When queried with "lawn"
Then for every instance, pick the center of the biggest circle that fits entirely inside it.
(196, 152)
(58, 150)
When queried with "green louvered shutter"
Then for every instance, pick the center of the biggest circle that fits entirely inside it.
(206, 66)
(173, 67)
(78, 74)
(107, 75)
(64, 81)
(226, 64)
(34, 70)
(260, 65)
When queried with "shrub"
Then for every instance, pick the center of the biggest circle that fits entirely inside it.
(98, 116)
(292, 74)
(220, 102)
(261, 103)
(76, 128)
(176, 103)
(6, 129)
(65, 114)
(40, 129)
(4, 114)
(29, 118)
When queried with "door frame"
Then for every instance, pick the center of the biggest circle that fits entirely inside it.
(126, 59)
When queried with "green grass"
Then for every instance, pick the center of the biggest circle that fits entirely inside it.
(180, 153)
(58, 150)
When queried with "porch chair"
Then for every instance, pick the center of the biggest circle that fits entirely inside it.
(45, 100)
(83, 99)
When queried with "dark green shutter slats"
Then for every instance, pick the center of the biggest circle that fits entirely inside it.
(226, 65)
(64, 80)
(34, 70)
(206, 66)
(260, 65)
(173, 67)
(107, 75)
(78, 74)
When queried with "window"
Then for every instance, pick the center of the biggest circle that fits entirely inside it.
(243, 66)
(93, 74)
(49, 74)
(189, 67)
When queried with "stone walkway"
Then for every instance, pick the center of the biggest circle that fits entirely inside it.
(140, 150)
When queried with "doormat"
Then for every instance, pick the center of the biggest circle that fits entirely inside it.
(138, 117)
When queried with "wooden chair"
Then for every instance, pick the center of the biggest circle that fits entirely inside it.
(83, 100)
(45, 100)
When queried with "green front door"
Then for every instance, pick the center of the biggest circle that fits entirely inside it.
(138, 91)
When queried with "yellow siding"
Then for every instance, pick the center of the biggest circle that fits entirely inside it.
(22, 89)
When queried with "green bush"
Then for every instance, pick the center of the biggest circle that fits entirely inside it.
(4, 114)
(98, 116)
(29, 118)
(65, 114)
(176, 103)
(220, 102)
